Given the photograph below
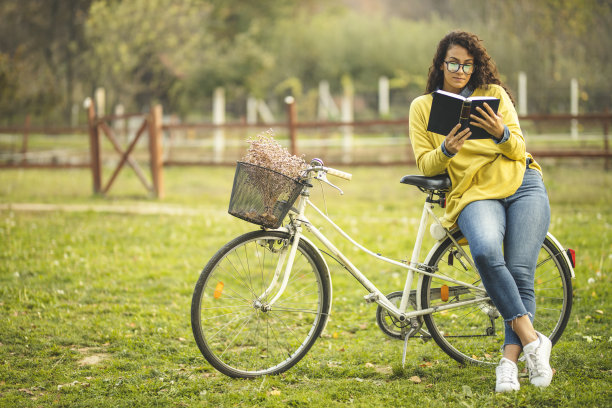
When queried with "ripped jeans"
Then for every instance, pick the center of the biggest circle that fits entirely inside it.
(519, 222)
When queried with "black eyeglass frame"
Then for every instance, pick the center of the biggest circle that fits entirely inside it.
(460, 66)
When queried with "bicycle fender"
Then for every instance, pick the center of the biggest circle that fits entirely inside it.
(562, 250)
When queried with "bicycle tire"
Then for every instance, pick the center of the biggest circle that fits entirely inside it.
(230, 323)
(474, 334)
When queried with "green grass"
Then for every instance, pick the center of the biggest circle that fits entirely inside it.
(94, 306)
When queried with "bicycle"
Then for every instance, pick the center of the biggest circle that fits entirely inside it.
(264, 298)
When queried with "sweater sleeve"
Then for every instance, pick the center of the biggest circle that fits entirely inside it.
(430, 158)
(514, 147)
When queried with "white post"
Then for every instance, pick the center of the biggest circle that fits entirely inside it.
(120, 124)
(218, 119)
(251, 110)
(574, 107)
(100, 96)
(264, 111)
(383, 96)
(327, 107)
(522, 93)
(347, 117)
(74, 115)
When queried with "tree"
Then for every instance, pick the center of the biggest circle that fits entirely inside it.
(40, 44)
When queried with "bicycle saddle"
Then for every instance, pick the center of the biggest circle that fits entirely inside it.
(439, 182)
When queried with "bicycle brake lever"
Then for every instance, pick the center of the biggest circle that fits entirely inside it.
(321, 176)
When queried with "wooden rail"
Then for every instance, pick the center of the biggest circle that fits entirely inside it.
(155, 127)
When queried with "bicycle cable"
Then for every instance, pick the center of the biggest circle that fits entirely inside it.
(323, 194)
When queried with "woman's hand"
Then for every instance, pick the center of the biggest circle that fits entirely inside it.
(454, 141)
(490, 121)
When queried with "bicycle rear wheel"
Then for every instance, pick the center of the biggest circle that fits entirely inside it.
(234, 326)
(475, 333)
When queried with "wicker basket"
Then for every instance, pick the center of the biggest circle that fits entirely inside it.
(262, 196)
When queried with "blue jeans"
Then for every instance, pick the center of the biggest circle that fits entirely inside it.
(519, 224)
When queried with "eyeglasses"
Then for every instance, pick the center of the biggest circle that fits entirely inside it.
(454, 67)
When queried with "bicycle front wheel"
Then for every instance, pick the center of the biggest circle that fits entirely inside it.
(474, 333)
(236, 328)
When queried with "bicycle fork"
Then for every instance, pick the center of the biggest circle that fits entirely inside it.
(288, 249)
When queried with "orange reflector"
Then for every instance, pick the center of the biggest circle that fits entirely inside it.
(218, 290)
(444, 293)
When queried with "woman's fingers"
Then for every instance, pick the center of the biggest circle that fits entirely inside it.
(455, 139)
(489, 121)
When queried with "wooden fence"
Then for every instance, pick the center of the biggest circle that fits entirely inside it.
(153, 126)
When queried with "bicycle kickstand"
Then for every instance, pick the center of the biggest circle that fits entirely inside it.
(413, 329)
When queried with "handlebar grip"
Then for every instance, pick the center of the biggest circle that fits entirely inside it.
(338, 173)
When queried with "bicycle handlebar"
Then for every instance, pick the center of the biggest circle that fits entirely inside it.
(317, 165)
(338, 173)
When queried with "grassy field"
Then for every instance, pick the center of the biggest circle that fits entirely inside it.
(95, 298)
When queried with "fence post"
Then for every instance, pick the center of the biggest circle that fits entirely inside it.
(574, 107)
(155, 149)
(346, 110)
(522, 93)
(94, 147)
(383, 96)
(251, 113)
(219, 121)
(292, 117)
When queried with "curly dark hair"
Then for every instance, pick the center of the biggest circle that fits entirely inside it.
(485, 71)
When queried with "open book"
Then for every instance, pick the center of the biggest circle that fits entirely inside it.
(448, 109)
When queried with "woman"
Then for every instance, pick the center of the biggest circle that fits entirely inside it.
(497, 198)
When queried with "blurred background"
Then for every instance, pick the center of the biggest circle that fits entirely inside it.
(236, 61)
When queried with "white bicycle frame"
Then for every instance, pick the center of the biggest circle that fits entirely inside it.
(375, 295)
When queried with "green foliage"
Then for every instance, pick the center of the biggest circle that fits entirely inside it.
(53, 54)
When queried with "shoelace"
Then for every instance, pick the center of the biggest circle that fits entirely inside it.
(507, 373)
(535, 365)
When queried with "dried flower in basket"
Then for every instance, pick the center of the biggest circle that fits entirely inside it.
(266, 152)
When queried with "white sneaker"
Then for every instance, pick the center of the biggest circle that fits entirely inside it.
(537, 359)
(507, 376)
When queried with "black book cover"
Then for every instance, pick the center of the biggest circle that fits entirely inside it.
(448, 109)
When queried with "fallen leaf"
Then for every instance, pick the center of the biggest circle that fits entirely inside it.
(335, 335)
(384, 369)
(274, 392)
(599, 311)
(415, 379)
(369, 365)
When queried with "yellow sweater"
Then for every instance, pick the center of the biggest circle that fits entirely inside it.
(482, 169)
